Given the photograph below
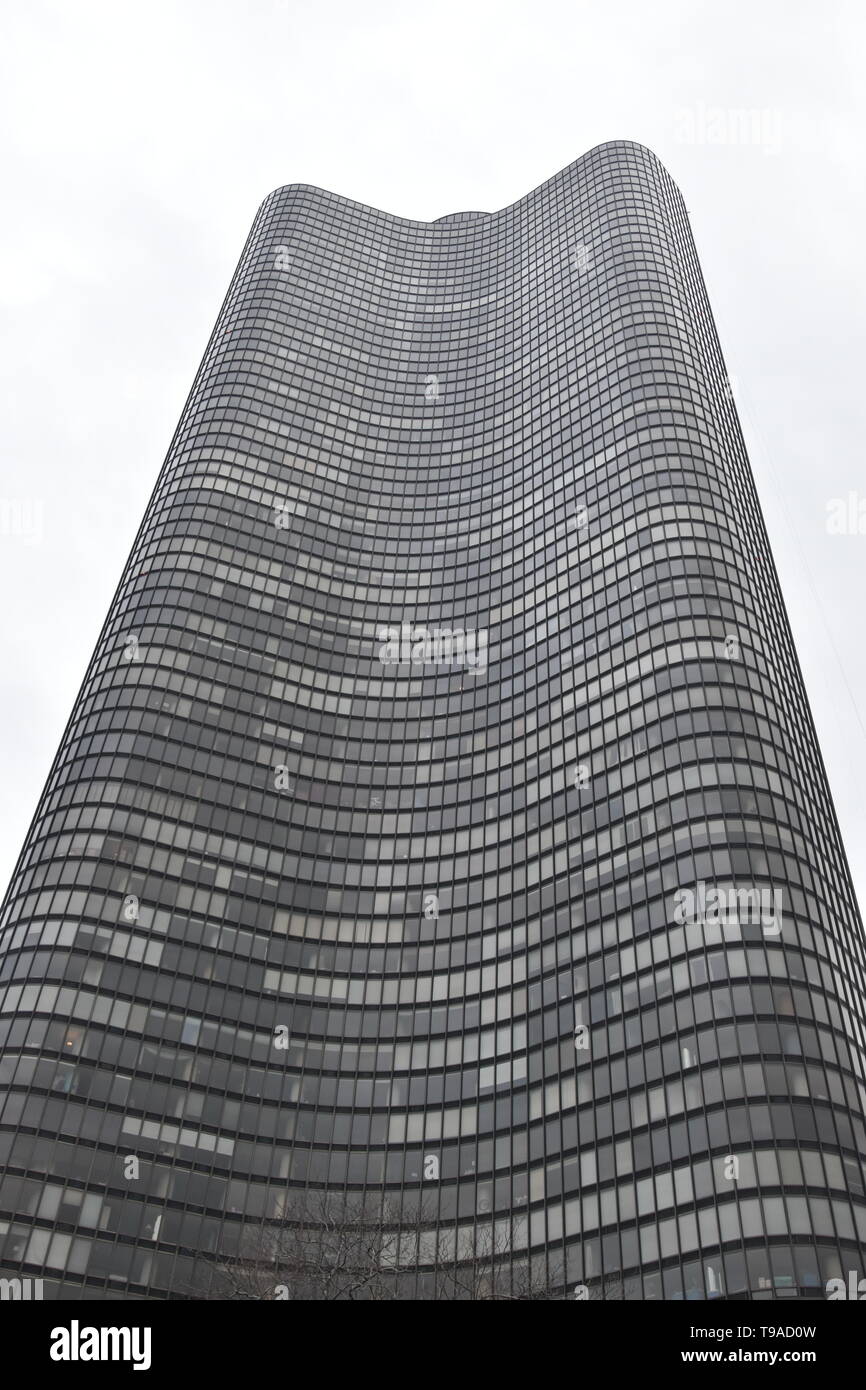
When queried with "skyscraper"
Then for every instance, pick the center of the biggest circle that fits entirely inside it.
(441, 819)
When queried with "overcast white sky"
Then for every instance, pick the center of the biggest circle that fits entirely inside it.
(138, 140)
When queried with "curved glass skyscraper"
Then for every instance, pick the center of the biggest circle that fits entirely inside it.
(441, 820)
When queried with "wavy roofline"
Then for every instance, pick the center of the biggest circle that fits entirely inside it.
(456, 217)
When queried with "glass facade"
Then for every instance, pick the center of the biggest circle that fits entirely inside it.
(446, 705)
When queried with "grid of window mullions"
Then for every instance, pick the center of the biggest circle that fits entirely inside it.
(557, 390)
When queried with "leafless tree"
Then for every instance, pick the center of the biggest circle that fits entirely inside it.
(321, 1247)
(333, 1247)
(612, 1289)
